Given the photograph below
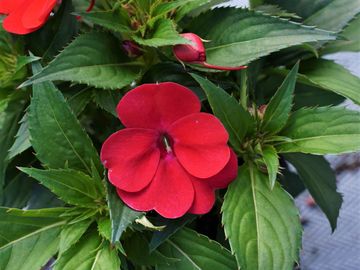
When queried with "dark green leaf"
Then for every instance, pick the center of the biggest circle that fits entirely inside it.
(121, 216)
(94, 59)
(73, 187)
(107, 100)
(172, 226)
(279, 107)
(263, 226)
(52, 121)
(195, 252)
(323, 130)
(113, 20)
(320, 180)
(239, 36)
(137, 242)
(236, 120)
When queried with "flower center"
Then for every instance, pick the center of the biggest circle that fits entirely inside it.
(165, 144)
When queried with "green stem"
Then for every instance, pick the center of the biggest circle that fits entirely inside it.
(243, 89)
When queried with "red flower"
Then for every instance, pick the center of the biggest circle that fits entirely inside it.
(25, 16)
(170, 157)
(195, 53)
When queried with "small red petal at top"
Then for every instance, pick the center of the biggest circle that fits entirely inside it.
(157, 105)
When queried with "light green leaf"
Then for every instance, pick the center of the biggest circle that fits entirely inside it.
(239, 36)
(71, 234)
(121, 216)
(22, 138)
(164, 34)
(320, 180)
(82, 255)
(271, 160)
(263, 226)
(196, 252)
(73, 187)
(279, 107)
(323, 130)
(106, 259)
(52, 121)
(27, 240)
(331, 76)
(236, 120)
(94, 59)
(340, 12)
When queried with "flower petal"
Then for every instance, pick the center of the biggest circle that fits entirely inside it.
(226, 175)
(204, 197)
(8, 6)
(156, 105)
(132, 158)
(37, 12)
(200, 144)
(170, 193)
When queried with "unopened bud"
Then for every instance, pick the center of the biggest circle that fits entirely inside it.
(195, 53)
(131, 48)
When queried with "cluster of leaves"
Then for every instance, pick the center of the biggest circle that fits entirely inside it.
(74, 219)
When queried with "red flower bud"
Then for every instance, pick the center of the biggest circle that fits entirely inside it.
(190, 53)
(195, 53)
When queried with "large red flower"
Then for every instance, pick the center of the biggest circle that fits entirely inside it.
(170, 157)
(25, 16)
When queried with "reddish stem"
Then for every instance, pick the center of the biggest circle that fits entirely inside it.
(205, 64)
(92, 4)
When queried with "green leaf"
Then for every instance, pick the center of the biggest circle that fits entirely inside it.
(320, 180)
(236, 120)
(113, 20)
(274, 10)
(138, 241)
(172, 226)
(9, 118)
(82, 255)
(94, 59)
(195, 252)
(79, 100)
(340, 12)
(22, 138)
(73, 187)
(52, 121)
(351, 42)
(279, 107)
(71, 234)
(331, 76)
(164, 34)
(106, 259)
(263, 226)
(121, 216)
(27, 240)
(55, 34)
(323, 130)
(271, 160)
(107, 100)
(239, 36)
